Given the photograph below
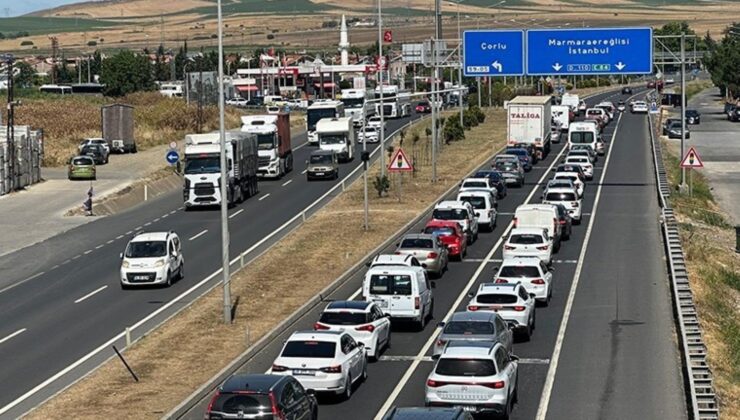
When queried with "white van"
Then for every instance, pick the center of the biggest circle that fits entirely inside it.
(571, 101)
(484, 205)
(561, 116)
(583, 133)
(404, 293)
(543, 216)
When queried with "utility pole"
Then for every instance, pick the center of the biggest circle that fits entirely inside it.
(10, 131)
(460, 64)
(683, 106)
(381, 63)
(224, 195)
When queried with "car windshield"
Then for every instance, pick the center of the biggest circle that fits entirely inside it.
(476, 202)
(496, 298)
(474, 184)
(206, 164)
(266, 141)
(469, 327)
(518, 152)
(577, 159)
(91, 148)
(343, 318)
(439, 230)
(571, 176)
(581, 137)
(314, 115)
(526, 239)
(560, 196)
(242, 402)
(353, 102)
(390, 284)
(450, 214)
(518, 271)
(417, 243)
(309, 349)
(82, 161)
(146, 249)
(321, 159)
(465, 367)
(332, 139)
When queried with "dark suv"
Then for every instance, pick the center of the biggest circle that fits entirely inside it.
(262, 397)
(733, 112)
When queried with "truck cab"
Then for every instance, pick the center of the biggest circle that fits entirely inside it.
(337, 135)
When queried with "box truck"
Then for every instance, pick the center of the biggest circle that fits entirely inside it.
(529, 121)
(338, 135)
(275, 154)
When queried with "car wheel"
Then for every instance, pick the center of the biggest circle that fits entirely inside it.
(515, 396)
(168, 282)
(181, 272)
(364, 368)
(347, 388)
(430, 315)
(125, 286)
(388, 340)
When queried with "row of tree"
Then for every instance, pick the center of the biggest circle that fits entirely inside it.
(723, 61)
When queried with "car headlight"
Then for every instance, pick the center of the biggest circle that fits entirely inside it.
(159, 263)
(124, 264)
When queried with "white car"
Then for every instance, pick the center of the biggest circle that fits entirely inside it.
(568, 198)
(152, 258)
(239, 102)
(383, 260)
(484, 206)
(587, 151)
(370, 134)
(511, 301)
(639, 107)
(481, 376)
(364, 321)
(374, 121)
(584, 162)
(325, 361)
(529, 242)
(479, 184)
(460, 212)
(95, 141)
(574, 178)
(531, 272)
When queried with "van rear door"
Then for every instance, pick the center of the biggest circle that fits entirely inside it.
(393, 293)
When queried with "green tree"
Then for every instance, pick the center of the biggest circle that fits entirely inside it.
(452, 130)
(723, 61)
(25, 74)
(126, 72)
(161, 67)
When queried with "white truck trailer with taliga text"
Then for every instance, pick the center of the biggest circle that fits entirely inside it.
(275, 155)
(203, 168)
(529, 121)
(338, 135)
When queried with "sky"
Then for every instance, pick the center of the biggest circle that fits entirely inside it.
(10, 8)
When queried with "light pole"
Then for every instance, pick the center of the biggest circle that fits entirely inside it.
(189, 60)
(224, 196)
(381, 62)
(460, 64)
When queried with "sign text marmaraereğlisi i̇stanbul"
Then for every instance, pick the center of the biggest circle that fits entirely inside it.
(593, 46)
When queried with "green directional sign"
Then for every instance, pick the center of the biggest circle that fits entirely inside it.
(601, 67)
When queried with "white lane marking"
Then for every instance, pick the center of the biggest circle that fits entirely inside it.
(174, 211)
(129, 232)
(21, 331)
(504, 213)
(76, 256)
(480, 260)
(550, 378)
(198, 235)
(119, 236)
(99, 246)
(137, 228)
(55, 267)
(147, 224)
(264, 196)
(236, 213)
(163, 216)
(40, 273)
(110, 241)
(99, 289)
(287, 182)
(355, 294)
(463, 294)
(155, 220)
(181, 207)
(565, 261)
(304, 171)
(87, 252)
(66, 261)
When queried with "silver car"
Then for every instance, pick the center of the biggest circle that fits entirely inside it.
(474, 326)
(511, 170)
(428, 250)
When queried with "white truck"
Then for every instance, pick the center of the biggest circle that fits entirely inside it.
(529, 121)
(561, 116)
(322, 108)
(571, 101)
(338, 135)
(356, 105)
(396, 103)
(203, 168)
(275, 156)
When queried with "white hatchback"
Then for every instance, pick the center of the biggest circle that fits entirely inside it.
(511, 301)
(325, 361)
(568, 198)
(584, 162)
(529, 242)
(574, 178)
(531, 272)
(364, 321)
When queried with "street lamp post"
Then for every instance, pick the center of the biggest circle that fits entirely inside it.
(381, 63)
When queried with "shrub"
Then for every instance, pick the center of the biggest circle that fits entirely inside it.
(381, 185)
(26, 42)
(92, 43)
(453, 131)
(270, 36)
(470, 118)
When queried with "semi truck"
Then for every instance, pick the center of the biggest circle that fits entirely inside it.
(337, 135)
(529, 121)
(357, 105)
(203, 170)
(275, 154)
(322, 108)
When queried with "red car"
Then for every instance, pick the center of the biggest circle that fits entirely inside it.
(451, 234)
(423, 107)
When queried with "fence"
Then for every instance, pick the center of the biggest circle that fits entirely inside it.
(25, 169)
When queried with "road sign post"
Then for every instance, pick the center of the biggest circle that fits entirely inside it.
(400, 163)
(172, 157)
(690, 161)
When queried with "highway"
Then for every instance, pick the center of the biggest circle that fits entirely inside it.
(605, 346)
(60, 299)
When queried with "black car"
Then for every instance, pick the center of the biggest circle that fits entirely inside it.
(96, 152)
(667, 123)
(427, 413)
(626, 90)
(262, 397)
(524, 157)
(674, 130)
(693, 117)
(566, 222)
(496, 179)
(733, 112)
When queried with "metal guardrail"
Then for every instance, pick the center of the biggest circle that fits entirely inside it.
(697, 374)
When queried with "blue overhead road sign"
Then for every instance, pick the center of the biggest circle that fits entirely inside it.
(493, 53)
(590, 51)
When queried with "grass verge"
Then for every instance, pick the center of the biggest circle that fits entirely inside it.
(176, 358)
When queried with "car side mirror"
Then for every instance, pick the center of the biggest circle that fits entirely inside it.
(495, 268)
(513, 358)
(531, 295)
(310, 391)
(368, 264)
(120, 255)
(360, 345)
(434, 285)
(441, 324)
(306, 161)
(423, 265)
(470, 295)
(398, 244)
(511, 325)
(551, 269)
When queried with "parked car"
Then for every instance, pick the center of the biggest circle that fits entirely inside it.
(364, 321)
(96, 152)
(428, 249)
(511, 301)
(81, 167)
(675, 130)
(451, 235)
(473, 326)
(255, 396)
(532, 272)
(237, 101)
(152, 258)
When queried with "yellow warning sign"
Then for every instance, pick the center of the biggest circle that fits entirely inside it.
(692, 159)
(399, 162)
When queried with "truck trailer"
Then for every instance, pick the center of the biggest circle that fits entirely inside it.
(275, 154)
(529, 120)
(203, 170)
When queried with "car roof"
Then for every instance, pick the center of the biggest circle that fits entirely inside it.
(151, 236)
(348, 305)
(476, 192)
(531, 207)
(392, 259)
(442, 223)
(251, 382)
(320, 335)
(418, 236)
(320, 152)
(560, 190)
(451, 204)
(473, 316)
(466, 348)
(526, 231)
(472, 178)
(520, 261)
(498, 287)
(393, 269)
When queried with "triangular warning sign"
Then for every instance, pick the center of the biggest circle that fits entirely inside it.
(399, 162)
(692, 159)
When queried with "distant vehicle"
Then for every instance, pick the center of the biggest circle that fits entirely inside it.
(575, 180)
(582, 107)
(427, 413)
(460, 212)
(451, 235)
(479, 184)
(404, 293)
(81, 167)
(325, 361)
(256, 396)
(693, 117)
(56, 89)
(587, 152)
(626, 90)
(639, 107)
(357, 105)
(396, 102)
(523, 155)
(651, 84)
(561, 116)
(274, 149)
(733, 112)
(152, 258)
(322, 164)
(532, 272)
(529, 242)
(364, 321)
(369, 134)
(428, 249)
(568, 198)
(96, 152)
(584, 162)
(96, 141)
(274, 100)
(511, 301)
(473, 326)
(621, 106)
(171, 90)
(512, 172)
(529, 120)
(237, 101)
(374, 121)
(571, 101)
(423, 107)
(582, 133)
(338, 135)
(598, 114)
(675, 129)
(541, 216)
(529, 148)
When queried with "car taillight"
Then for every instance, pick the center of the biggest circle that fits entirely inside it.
(509, 247)
(574, 204)
(213, 401)
(494, 385)
(431, 383)
(562, 222)
(538, 281)
(332, 369)
(472, 308)
(278, 368)
(320, 326)
(519, 308)
(501, 281)
(276, 412)
(417, 302)
(543, 248)
(368, 328)
(397, 253)
(516, 221)
(432, 255)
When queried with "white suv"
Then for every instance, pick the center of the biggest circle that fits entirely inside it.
(531, 272)
(460, 212)
(484, 205)
(481, 376)
(511, 301)
(152, 258)
(325, 361)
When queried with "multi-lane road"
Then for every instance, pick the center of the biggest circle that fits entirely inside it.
(60, 300)
(605, 346)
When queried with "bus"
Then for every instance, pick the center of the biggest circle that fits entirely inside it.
(396, 103)
(356, 105)
(58, 89)
(322, 108)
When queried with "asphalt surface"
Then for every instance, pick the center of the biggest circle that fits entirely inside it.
(615, 359)
(60, 299)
